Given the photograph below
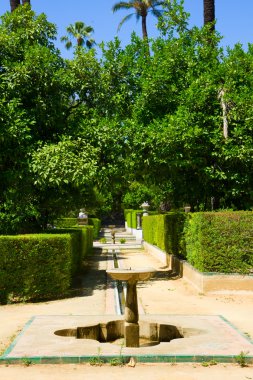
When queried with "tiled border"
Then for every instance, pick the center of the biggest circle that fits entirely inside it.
(124, 359)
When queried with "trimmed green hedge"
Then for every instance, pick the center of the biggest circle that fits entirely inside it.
(220, 241)
(34, 266)
(96, 223)
(82, 243)
(66, 222)
(131, 217)
(211, 241)
(165, 231)
(42, 266)
(72, 223)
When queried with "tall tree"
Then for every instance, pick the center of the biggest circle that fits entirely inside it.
(141, 9)
(80, 32)
(209, 13)
(15, 3)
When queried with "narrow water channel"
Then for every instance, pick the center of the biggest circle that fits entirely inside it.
(120, 294)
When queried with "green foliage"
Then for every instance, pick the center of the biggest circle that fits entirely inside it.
(242, 359)
(66, 222)
(108, 131)
(82, 239)
(220, 242)
(96, 223)
(69, 162)
(165, 231)
(81, 33)
(131, 217)
(72, 222)
(136, 194)
(34, 266)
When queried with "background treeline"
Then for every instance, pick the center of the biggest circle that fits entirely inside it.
(171, 124)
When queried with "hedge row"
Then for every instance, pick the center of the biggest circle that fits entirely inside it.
(211, 241)
(34, 266)
(81, 243)
(165, 231)
(41, 266)
(131, 217)
(220, 242)
(96, 223)
(72, 222)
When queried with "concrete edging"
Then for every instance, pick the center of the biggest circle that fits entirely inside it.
(204, 282)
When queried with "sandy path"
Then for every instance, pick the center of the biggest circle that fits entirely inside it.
(159, 296)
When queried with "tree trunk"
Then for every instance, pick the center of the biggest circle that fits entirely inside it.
(144, 27)
(14, 4)
(209, 13)
(224, 107)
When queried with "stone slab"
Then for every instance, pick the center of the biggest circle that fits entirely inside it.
(205, 337)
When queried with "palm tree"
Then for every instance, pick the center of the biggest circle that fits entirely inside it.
(209, 13)
(141, 9)
(80, 32)
(14, 4)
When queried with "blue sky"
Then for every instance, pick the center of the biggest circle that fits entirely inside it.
(234, 18)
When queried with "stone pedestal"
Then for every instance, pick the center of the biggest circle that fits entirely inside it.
(131, 316)
(131, 276)
(131, 334)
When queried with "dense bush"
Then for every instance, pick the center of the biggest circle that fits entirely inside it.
(82, 243)
(72, 222)
(131, 217)
(96, 223)
(66, 222)
(34, 266)
(165, 231)
(220, 242)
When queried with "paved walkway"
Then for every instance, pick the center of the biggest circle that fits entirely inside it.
(161, 295)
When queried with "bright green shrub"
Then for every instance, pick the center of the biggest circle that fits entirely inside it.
(76, 236)
(131, 217)
(128, 217)
(66, 222)
(220, 242)
(96, 223)
(87, 240)
(82, 243)
(72, 223)
(34, 266)
(165, 231)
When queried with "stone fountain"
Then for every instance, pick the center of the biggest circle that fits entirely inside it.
(131, 277)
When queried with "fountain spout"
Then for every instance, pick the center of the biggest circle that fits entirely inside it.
(131, 276)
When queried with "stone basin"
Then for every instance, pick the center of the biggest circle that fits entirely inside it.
(137, 274)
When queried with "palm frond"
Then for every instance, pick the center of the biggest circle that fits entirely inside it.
(64, 39)
(68, 45)
(156, 12)
(126, 18)
(122, 5)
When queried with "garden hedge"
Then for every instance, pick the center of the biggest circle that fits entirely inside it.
(82, 243)
(66, 223)
(96, 223)
(220, 241)
(131, 217)
(165, 231)
(34, 266)
(42, 266)
(72, 222)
